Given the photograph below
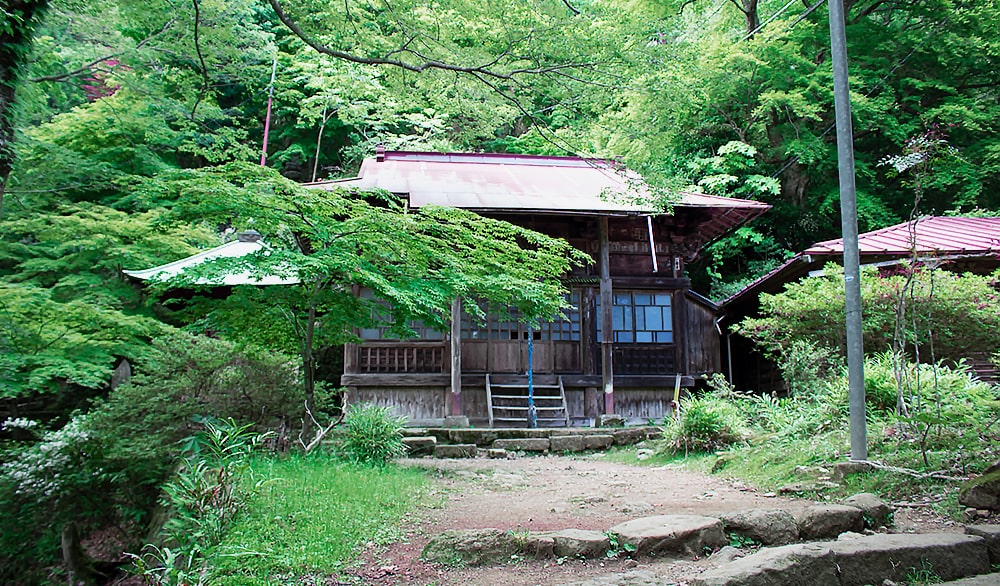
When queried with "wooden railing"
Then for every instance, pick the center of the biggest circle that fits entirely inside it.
(644, 359)
(406, 357)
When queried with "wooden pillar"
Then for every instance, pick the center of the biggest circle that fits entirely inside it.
(351, 350)
(456, 357)
(607, 335)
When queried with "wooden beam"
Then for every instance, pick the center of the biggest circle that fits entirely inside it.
(607, 335)
(390, 379)
(456, 357)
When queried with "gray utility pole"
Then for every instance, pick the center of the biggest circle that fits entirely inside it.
(849, 226)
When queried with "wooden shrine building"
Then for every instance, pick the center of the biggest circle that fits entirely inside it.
(662, 334)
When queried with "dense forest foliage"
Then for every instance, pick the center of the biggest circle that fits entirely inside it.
(129, 133)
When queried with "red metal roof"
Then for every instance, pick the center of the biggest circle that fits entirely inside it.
(938, 237)
(932, 235)
(521, 183)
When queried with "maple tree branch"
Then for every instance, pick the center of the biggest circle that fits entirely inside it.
(484, 70)
(572, 8)
(87, 67)
(78, 71)
(201, 58)
(321, 432)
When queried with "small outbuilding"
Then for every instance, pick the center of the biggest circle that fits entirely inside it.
(952, 243)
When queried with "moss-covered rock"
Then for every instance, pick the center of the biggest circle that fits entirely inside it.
(982, 492)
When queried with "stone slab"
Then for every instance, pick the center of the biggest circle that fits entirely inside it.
(870, 559)
(522, 433)
(455, 451)
(567, 443)
(539, 444)
(456, 421)
(984, 580)
(982, 492)
(686, 534)
(788, 565)
(829, 521)
(473, 547)
(599, 441)
(991, 533)
(875, 513)
(580, 543)
(843, 469)
(480, 437)
(611, 420)
(629, 436)
(630, 578)
(420, 445)
(874, 558)
(767, 526)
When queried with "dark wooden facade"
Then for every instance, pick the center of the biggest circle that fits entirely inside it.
(675, 336)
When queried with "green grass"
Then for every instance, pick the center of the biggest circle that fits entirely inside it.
(310, 515)
(769, 463)
(697, 461)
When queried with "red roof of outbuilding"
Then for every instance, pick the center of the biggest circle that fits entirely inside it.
(935, 237)
(931, 235)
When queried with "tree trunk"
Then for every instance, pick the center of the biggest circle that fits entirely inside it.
(753, 19)
(794, 181)
(309, 362)
(79, 570)
(15, 44)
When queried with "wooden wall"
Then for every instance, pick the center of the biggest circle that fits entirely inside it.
(420, 405)
(702, 343)
(643, 404)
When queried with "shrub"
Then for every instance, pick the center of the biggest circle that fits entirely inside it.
(181, 379)
(962, 311)
(374, 436)
(806, 366)
(105, 468)
(46, 484)
(704, 424)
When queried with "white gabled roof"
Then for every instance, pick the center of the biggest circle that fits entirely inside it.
(236, 249)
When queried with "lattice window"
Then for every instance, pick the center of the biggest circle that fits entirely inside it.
(505, 325)
(383, 331)
(639, 317)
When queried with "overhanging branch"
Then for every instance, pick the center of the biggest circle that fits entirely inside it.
(485, 70)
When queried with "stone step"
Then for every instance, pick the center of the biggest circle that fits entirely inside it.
(420, 445)
(455, 451)
(855, 561)
(984, 580)
(685, 534)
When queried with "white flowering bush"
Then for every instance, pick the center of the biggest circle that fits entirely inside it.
(48, 479)
(49, 468)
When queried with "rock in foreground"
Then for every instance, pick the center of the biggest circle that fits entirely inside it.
(855, 562)
(686, 534)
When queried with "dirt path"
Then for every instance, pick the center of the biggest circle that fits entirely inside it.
(559, 492)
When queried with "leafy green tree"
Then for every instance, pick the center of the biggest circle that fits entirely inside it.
(703, 80)
(18, 21)
(417, 261)
(52, 348)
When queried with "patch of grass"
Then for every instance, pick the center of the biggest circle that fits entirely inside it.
(769, 462)
(922, 576)
(311, 514)
(698, 461)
